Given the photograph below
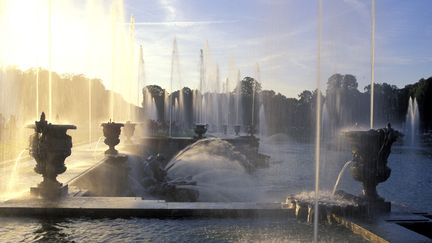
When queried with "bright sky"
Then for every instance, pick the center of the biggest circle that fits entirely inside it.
(91, 37)
(281, 36)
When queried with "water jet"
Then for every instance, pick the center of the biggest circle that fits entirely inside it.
(129, 129)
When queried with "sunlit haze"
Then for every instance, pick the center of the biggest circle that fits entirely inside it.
(278, 35)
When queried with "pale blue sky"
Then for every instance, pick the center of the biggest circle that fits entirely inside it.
(281, 36)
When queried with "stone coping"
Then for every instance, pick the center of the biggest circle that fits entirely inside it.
(381, 228)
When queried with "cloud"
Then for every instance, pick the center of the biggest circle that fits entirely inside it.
(171, 12)
(184, 24)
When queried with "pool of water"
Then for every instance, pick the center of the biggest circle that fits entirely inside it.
(291, 171)
(174, 230)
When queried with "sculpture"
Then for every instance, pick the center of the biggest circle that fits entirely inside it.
(50, 146)
(200, 130)
(111, 131)
(370, 151)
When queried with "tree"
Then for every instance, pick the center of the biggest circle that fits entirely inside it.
(249, 90)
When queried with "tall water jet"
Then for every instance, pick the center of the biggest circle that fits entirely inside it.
(141, 74)
(262, 122)
(318, 120)
(37, 92)
(131, 75)
(226, 106)
(217, 99)
(412, 122)
(252, 125)
(153, 110)
(238, 100)
(372, 64)
(326, 123)
(90, 111)
(124, 65)
(149, 105)
(199, 96)
(175, 72)
(114, 21)
(50, 91)
(167, 108)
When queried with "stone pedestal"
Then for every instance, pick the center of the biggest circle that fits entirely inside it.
(118, 172)
(45, 190)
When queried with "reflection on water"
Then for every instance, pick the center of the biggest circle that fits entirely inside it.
(170, 230)
(51, 230)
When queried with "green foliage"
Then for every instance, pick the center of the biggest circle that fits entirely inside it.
(248, 85)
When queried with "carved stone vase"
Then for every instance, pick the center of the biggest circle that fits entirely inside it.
(50, 146)
(370, 151)
(111, 131)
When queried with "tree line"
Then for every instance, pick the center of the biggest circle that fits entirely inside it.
(343, 105)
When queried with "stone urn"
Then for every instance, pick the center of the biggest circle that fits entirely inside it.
(370, 151)
(50, 146)
(111, 131)
(251, 130)
(225, 129)
(128, 130)
(200, 130)
(237, 129)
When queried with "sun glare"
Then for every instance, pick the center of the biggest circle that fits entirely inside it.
(86, 37)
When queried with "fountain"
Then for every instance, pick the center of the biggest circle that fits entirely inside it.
(13, 179)
(50, 146)
(159, 171)
(346, 165)
(370, 150)
(111, 131)
(210, 166)
(262, 122)
(412, 122)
